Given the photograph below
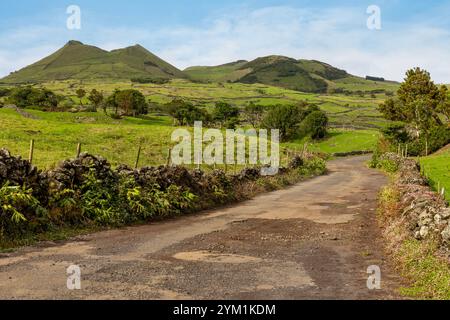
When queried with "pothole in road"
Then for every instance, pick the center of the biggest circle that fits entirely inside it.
(210, 257)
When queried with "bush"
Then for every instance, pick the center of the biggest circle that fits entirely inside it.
(186, 113)
(285, 118)
(438, 137)
(19, 210)
(28, 96)
(314, 125)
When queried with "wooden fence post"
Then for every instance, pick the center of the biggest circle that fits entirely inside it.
(78, 150)
(137, 158)
(30, 156)
(169, 156)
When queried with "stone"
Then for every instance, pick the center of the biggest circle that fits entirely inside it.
(446, 234)
(424, 231)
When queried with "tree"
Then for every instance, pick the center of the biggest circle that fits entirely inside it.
(253, 114)
(186, 113)
(285, 118)
(315, 125)
(444, 105)
(226, 114)
(81, 93)
(420, 104)
(96, 98)
(111, 103)
(27, 96)
(132, 102)
(129, 102)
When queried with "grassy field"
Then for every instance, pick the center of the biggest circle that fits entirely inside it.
(437, 168)
(344, 111)
(57, 134)
(56, 137)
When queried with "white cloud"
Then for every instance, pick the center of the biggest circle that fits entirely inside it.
(338, 36)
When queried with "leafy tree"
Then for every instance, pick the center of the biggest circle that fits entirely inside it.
(4, 92)
(444, 105)
(129, 102)
(226, 114)
(132, 102)
(418, 103)
(315, 125)
(111, 103)
(81, 93)
(421, 105)
(186, 113)
(253, 114)
(96, 98)
(28, 96)
(285, 118)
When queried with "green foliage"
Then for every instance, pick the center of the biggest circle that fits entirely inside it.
(253, 114)
(285, 118)
(19, 210)
(312, 167)
(27, 96)
(226, 115)
(396, 133)
(96, 98)
(186, 113)
(128, 102)
(437, 138)
(314, 125)
(151, 80)
(419, 102)
(4, 92)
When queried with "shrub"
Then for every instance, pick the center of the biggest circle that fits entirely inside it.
(314, 125)
(438, 137)
(19, 210)
(285, 118)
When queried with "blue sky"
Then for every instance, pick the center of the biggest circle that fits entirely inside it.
(209, 32)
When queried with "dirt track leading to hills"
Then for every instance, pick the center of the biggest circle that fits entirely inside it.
(314, 240)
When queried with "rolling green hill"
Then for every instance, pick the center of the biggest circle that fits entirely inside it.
(83, 62)
(289, 73)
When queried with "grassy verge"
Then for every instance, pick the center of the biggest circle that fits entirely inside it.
(437, 169)
(419, 262)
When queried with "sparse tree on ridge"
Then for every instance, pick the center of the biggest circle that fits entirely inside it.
(96, 98)
(81, 93)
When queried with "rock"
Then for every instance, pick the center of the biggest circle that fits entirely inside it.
(424, 232)
(425, 219)
(438, 219)
(446, 234)
(445, 214)
(71, 174)
(19, 172)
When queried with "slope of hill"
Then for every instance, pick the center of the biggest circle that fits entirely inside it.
(300, 75)
(79, 61)
(223, 73)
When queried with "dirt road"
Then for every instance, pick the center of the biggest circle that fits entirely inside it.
(314, 240)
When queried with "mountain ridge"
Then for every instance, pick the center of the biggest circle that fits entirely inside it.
(76, 60)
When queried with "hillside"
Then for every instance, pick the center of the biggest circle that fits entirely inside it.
(289, 73)
(83, 62)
